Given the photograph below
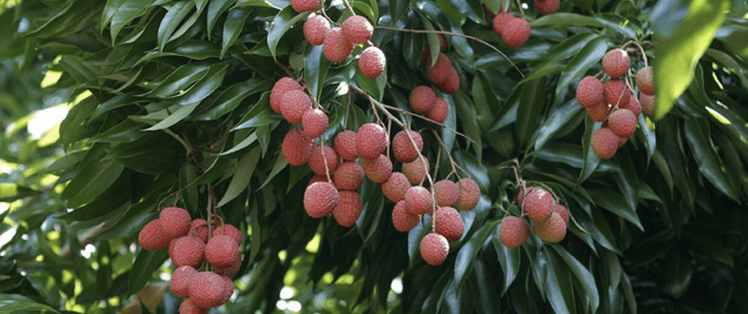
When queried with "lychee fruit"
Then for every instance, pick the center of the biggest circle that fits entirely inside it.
(357, 29)
(345, 145)
(402, 219)
(317, 162)
(294, 104)
(434, 248)
(372, 62)
(622, 141)
(180, 280)
(421, 99)
(305, 5)
(221, 251)
(189, 307)
(500, 20)
(648, 103)
(229, 230)
(513, 231)
(537, 204)
(590, 92)
(336, 47)
(516, 32)
(546, 7)
(371, 140)
(440, 111)
(622, 122)
(448, 222)
(561, 211)
(604, 142)
(348, 209)
(469, 194)
(416, 170)
(452, 84)
(152, 237)
(403, 148)
(645, 81)
(634, 105)
(599, 112)
(188, 250)
(199, 228)
(231, 270)
(349, 176)
(616, 63)
(175, 221)
(446, 193)
(317, 178)
(228, 289)
(418, 200)
(551, 230)
(378, 170)
(320, 199)
(615, 90)
(438, 72)
(395, 187)
(279, 89)
(297, 148)
(315, 28)
(207, 289)
(314, 122)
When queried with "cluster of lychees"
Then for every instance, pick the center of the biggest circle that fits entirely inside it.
(549, 219)
(190, 244)
(614, 103)
(441, 73)
(515, 31)
(423, 101)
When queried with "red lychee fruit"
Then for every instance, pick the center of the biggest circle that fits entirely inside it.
(372, 62)
(622, 122)
(152, 237)
(418, 200)
(320, 199)
(378, 170)
(551, 230)
(348, 209)
(315, 28)
(305, 5)
(422, 99)
(175, 221)
(317, 178)
(180, 280)
(279, 89)
(229, 230)
(336, 47)
(648, 103)
(469, 194)
(199, 228)
(590, 92)
(357, 29)
(604, 142)
(500, 20)
(434, 248)
(452, 84)
(645, 81)
(402, 219)
(615, 90)
(621, 141)
(189, 307)
(516, 32)
(446, 193)
(402, 146)
(634, 105)
(221, 251)
(546, 7)
(228, 289)
(599, 112)
(371, 140)
(440, 111)
(345, 145)
(317, 162)
(438, 72)
(448, 222)
(561, 211)
(537, 204)
(297, 148)
(395, 187)
(616, 63)
(349, 176)
(188, 251)
(207, 289)
(314, 122)
(513, 231)
(416, 170)
(294, 104)
(231, 270)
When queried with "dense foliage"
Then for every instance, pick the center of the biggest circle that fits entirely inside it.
(168, 104)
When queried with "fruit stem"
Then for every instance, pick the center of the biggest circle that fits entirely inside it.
(455, 166)
(350, 8)
(324, 158)
(555, 197)
(429, 120)
(519, 6)
(644, 55)
(209, 209)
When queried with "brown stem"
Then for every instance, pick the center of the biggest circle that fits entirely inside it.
(521, 11)
(644, 55)
(429, 120)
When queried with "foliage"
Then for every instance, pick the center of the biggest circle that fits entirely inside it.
(171, 97)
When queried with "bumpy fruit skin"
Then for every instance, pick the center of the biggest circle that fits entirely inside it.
(372, 62)
(516, 32)
(551, 230)
(403, 148)
(634, 105)
(175, 221)
(357, 29)
(345, 145)
(616, 63)
(421, 99)
(187, 250)
(305, 5)
(604, 142)
(378, 170)
(452, 84)
(500, 20)
(469, 194)
(615, 90)
(152, 237)
(590, 92)
(416, 170)
(207, 289)
(440, 111)
(348, 209)
(297, 148)
(180, 280)
(434, 248)
(402, 219)
(317, 178)
(622, 122)
(448, 222)
(349, 176)
(230, 231)
(336, 47)
(199, 228)
(599, 112)
(320, 199)
(621, 141)
(279, 89)
(228, 289)
(315, 28)
(189, 307)
(648, 103)
(294, 104)
(371, 140)
(546, 7)
(446, 193)
(645, 81)
(317, 163)
(418, 200)
(537, 204)
(221, 251)
(231, 270)
(395, 187)
(561, 211)
(438, 72)
(513, 231)
(314, 122)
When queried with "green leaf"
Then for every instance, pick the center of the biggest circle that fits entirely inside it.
(285, 19)
(559, 285)
(12, 303)
(233, 27)
(173, 18)
(91, 178)
(585, 280)
(591, 160)
(468, 252)
(178, 115)
(121, 13)
(181, 79)
(562, 18)
(615, 203)
(678, 273)
(531, 101)
(239, 182)
(143, 268)
(558, 120)
(232, 97)
(509, 259)
(705, 154)
(589, 56)
(316, 67)
(215, 10)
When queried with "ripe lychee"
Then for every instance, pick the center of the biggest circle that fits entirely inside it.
(546, 7)
(452, 84)
(516, 32)
(315, 28)
(314, 122)
(513, 231)
(336, 47)
(378, 170)
(622, 122)
(418, 200)
(199, 228)
(320, 199)
(648, 103)
(402, 146)
(438, 72)
(297, 148)
(317, 178)
(372, 62)
(615, 90)
(371, 140)
(152, 237)
(599, 112)
(621, 141)
(348, 209)
(469, 194)
(180, 280)
(500, 20)
(616, 63)
(221, 251)
(395, 187)
(448, 222)
(446, 193)
(317, 162)
(402, 219)
(604, 142)
(231, 270)
(228, 289)
(634, 105)
(279, 89)
(440, 111)
(561, 211)
(349, 176)
(357, 29)
(305, 5)
(345, 145)
(551, 230)
(537, 204)
(590, 92)
(229, 230)
(175, 221)
(207, 289)
(416, 170)
(188, 250)
(294, 104)
(189, 307)
(434, 248)
(645, 81)
(422, 99)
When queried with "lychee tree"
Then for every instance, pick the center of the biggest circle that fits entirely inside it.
(570, 156)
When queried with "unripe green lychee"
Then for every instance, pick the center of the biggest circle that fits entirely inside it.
(175, 221)
(469, 194)
(207, 289)
(648, 103)
(345, 145)
(645, 81)
(440, 111)
(230, 231)
(604, 142)
(434, 248)
(622, 122)
(188, 250)
(294, 104)
(317, 162)
(416, 170)
(320, 199)
(315, 28)
(446, 193)
(537, 204)
(546, 7)
(279, 89)
(189, 307)
(561, 211)
(348, 209)
(180, 280)
(297, 148)
(305, 5)
(402, 219)
(448, 222)
(152, 237)
(349, 176)
(421, 99)
(599, 112)
(378, 170)
(616, 92)
(221, 251)
(551, 230)
(336, 47)
(513, 231)
(500, 20)
(590, 92)
(372, 62)
(314, 122)
(418, 200)
(395, 187)
(357, 29)
(616, 63)
(403, 148)
(452, 83)
(516, 32)
(371, 140)
(438, 72)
